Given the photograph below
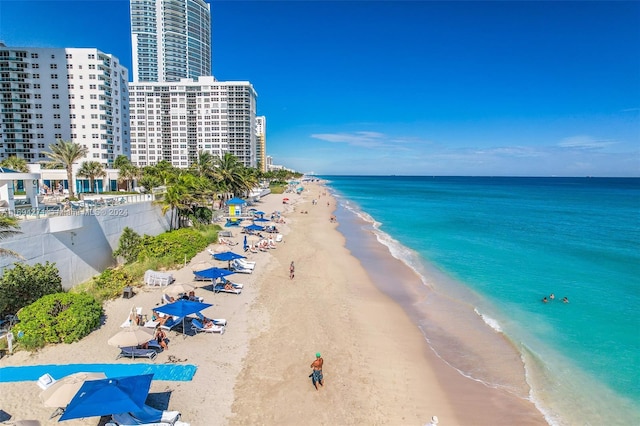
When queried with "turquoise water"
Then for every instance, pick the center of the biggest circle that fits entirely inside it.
(512, 241)
(174, 372)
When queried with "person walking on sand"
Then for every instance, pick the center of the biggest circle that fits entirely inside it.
(292, 270)
(316, 375)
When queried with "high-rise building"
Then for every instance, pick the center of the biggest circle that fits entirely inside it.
(170, 39)
(48, 94)
(174, 121)
(261, 142)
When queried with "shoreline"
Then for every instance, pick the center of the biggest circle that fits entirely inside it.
(379, 368)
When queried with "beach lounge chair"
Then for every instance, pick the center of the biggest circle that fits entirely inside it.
(216, 321)
(171, 322)
(133, 352)
(131, 319)
(198, 327)
(279, 238)
(246, 263)
(237, 286)
(235, 267)
(227, 242)
(155, 278)
(220, 288)
(147, 416)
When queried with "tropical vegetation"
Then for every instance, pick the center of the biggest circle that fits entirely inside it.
(24, 284)
(66, 153)
(191, 195)
(91, 170)
(8, 227)
(16, 164)
(57, 318)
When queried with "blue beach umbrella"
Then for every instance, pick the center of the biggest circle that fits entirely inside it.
(212, 273)
(255, 227)
(109, 396)
(259, 213)
(228, 256)
(261, 219)
(245, 243)
(182, 308)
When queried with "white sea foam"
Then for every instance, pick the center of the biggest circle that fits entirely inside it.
(489, 321)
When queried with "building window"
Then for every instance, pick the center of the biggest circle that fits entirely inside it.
(34, 56)
(54, 86)
(54, 76)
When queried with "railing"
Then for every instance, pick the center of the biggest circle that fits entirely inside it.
(53, 206)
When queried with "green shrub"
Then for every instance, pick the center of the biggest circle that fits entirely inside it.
(24, 284)
(57, 318)
(128, 245)
(111, 282)
(174, 245)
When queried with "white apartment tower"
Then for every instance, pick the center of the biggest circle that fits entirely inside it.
(174, 121)
(47, 94)
(170, 39)
(261, 142)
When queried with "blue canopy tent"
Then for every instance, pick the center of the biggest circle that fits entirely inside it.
(108, 396)
(182, 308)
(254, 227)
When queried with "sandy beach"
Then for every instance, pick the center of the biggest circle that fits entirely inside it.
(379, 370)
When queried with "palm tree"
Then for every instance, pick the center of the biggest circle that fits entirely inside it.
(8, 226)
(15, 163)
(91, 170)
(204, 166)
(128, 173)
(177, 198)
(67, 153)
(230, 174)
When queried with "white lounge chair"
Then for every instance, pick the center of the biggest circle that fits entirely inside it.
(220, 288)
(198, 327)
(245, 263)
(278, 238)
(236, 267)
(155, 278)
(148, 416)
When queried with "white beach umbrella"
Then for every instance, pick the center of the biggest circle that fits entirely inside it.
(176, 289)
(60, 393)
(219, 248)
(202, 265)
(132, 336)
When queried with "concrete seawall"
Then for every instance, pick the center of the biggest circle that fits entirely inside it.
(81, 245)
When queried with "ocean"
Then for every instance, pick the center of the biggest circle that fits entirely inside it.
(486, 251)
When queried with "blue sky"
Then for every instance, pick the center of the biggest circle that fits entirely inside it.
(409, 88)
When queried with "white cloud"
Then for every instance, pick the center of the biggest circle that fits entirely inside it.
(584, 142)
(361, 139)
